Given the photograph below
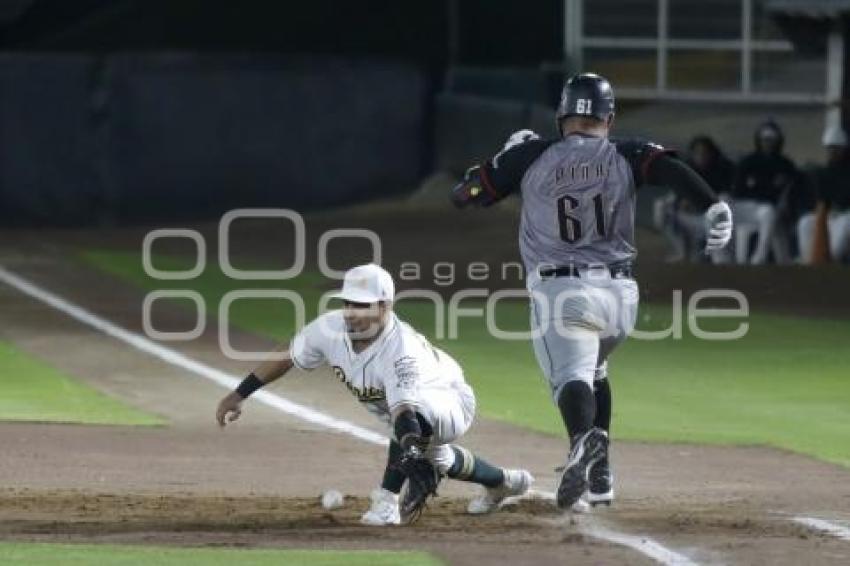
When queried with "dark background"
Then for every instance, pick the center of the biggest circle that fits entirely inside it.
(116, 111)
(132, 110)
(494, 32)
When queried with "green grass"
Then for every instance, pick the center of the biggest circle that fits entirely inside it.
(263, 316)
(36, 554)
(784, 384)
(33, 391)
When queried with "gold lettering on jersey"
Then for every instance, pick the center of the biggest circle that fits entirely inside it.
(367, 395)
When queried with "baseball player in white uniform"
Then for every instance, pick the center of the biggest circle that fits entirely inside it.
(397, 375)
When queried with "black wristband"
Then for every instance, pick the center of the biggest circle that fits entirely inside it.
(407, 430)
(249, 385)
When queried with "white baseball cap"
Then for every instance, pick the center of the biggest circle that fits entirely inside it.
(368, 283)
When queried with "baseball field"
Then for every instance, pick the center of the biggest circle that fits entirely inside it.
(725, 451)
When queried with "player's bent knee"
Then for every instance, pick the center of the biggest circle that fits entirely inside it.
(443, 457)
(463, 465)
(560, 384)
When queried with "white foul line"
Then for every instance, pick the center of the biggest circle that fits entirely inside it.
(824, 526)
(177, 359)
(644, 545)
(591, 527)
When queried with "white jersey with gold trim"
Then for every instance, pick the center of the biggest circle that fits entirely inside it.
(401, 366)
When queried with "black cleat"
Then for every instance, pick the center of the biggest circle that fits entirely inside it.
(590, 448)
(601, 484)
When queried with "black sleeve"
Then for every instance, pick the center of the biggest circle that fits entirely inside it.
(670, 171)
(498, 177)
(640, 155)
(505, 171)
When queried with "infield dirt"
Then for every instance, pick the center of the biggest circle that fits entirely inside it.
(258, 482)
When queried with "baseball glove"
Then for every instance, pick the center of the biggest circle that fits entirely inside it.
(422, 481)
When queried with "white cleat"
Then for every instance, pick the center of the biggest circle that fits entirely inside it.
(384, 510)
(604, 498)
(517, 482)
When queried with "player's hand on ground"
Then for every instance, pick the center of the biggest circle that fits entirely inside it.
(229, 409)
(718, 219)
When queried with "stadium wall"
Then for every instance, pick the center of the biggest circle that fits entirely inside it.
(139, 137)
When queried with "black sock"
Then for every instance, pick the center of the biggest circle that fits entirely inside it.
(393, 479)
(602, 392)
(471, 468)
(578, 408)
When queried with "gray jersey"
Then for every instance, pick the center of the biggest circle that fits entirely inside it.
(578, 197)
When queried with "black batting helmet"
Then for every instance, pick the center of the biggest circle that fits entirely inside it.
(586, 94)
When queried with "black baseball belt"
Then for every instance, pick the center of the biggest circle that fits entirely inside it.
(617, 270)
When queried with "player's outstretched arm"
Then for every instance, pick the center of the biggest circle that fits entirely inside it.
(667, 170)
(230, 408)
(670, 171)
(490, 182)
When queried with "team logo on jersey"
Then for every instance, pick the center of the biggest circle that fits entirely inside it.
(405, 372)
(367, 395)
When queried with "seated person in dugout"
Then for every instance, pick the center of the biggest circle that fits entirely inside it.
(766, 184)
(832, 188)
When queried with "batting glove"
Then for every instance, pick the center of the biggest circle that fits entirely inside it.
(718, 219)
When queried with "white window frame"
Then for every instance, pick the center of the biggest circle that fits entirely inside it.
(575, 42)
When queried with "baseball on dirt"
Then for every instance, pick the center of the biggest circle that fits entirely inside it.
(332, 499)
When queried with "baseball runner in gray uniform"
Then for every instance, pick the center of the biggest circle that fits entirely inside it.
(577, 243)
